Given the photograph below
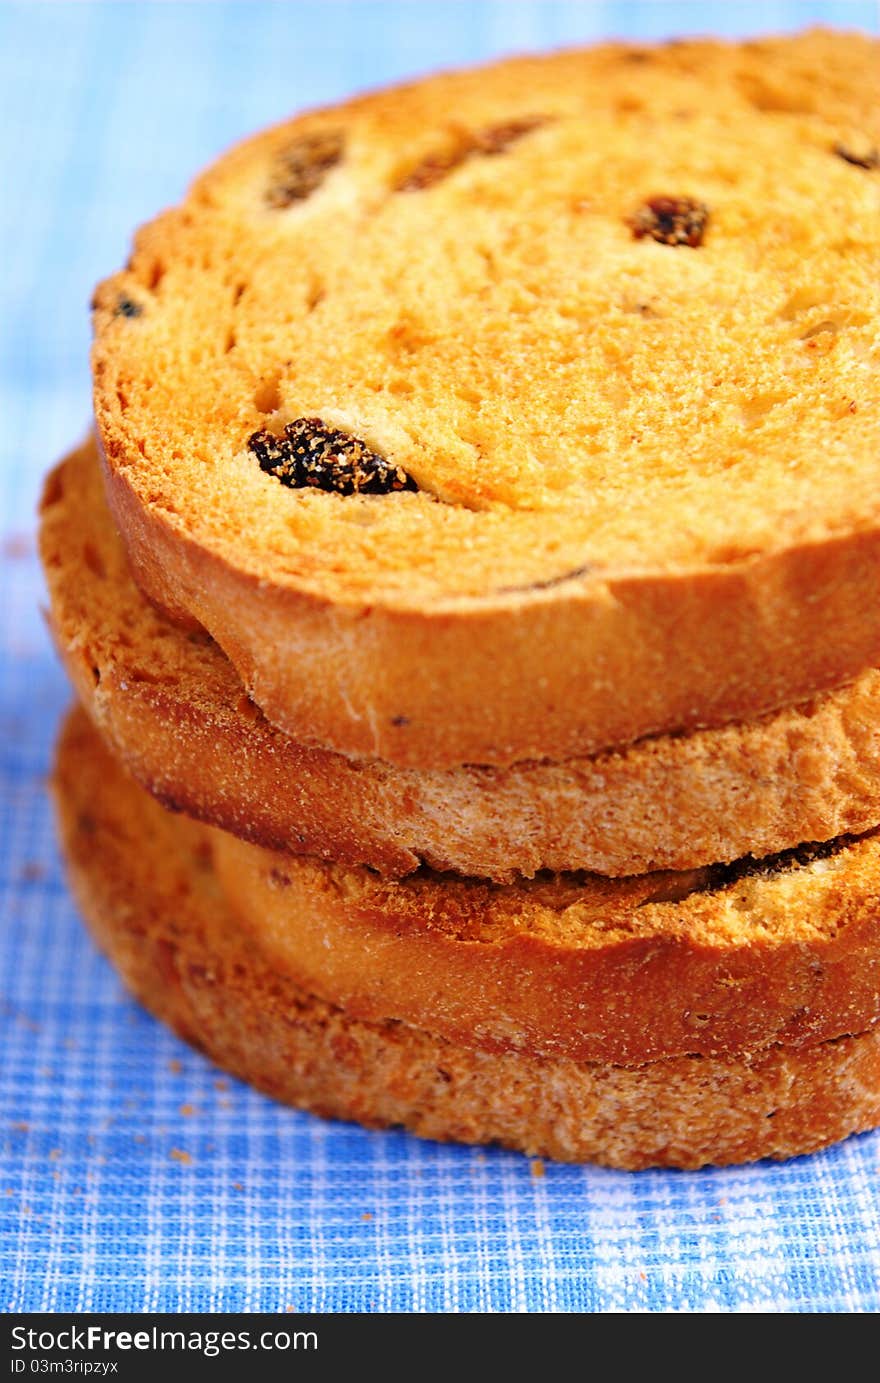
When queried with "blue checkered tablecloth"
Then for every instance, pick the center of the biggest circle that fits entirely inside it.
(135, 1176)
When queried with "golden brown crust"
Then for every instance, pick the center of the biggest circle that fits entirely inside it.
(173, 708)
(622, 970)
(146, 886)
(554, 677)
(648, 471)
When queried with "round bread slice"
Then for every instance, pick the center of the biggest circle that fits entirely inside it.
(146, 885)
(172, 707)
(521, 412)
(733, 957)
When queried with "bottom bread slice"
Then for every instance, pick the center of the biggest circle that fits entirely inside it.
(145, 883)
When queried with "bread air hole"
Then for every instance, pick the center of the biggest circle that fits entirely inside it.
(94, 561)
(267, 395)
(755, 410)
(777, 94)
(316, 294)
(829, 325)
(801, 300)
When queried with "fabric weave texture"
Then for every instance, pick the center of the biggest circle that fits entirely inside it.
(133, 1175)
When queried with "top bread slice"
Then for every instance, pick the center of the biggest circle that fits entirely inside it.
(520, 412)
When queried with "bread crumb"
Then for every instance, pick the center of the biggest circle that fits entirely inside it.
(538, 1169)
(16, 546)
(54, 1154)
(367, 1215)
(175, 1066)
(179, 1155)
(187, 1110)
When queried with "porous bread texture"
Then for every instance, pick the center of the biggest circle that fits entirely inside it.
(594, 969)
(649, 473)
(146, 886)
(172, 707)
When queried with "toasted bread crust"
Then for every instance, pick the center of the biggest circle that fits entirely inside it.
(172, 707)
(146, 886)
(555, 677)
(647, 471)
(623, 970)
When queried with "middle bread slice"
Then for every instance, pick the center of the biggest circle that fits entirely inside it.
(172, 707)
(729, 958)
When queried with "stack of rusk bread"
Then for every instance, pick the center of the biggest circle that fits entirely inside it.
(472, 598)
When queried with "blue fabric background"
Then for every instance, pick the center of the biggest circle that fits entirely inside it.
(107, 111)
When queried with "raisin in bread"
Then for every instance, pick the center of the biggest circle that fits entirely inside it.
(520, 412)
(147, 887)
(173, 709)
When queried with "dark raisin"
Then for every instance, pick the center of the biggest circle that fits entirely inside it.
(489, 141)
(302, 165)
(866, 158)
(433, 168)
(312, 455)
(273, 454)
(127, 307)
(497, 139)
(670, 220)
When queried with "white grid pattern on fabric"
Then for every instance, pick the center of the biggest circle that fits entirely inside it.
(106, 115)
